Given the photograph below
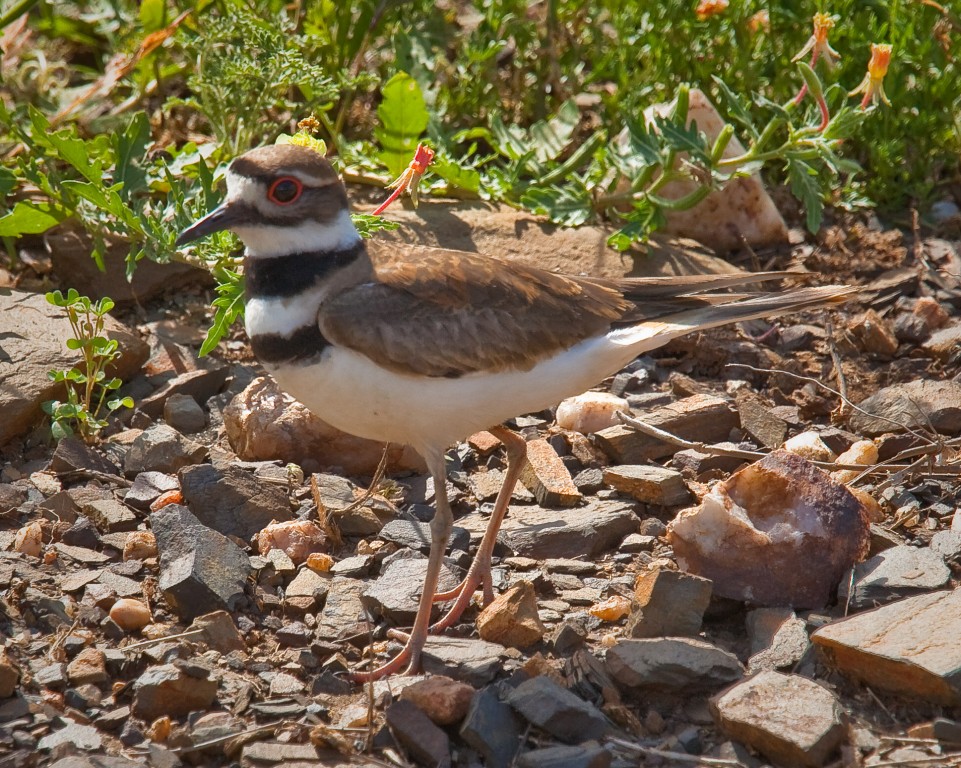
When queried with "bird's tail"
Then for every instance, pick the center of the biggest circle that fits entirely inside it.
(653, 333)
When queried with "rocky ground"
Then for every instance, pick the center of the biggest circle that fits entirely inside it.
(176, 595)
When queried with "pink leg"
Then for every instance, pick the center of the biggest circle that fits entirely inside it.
(440, 528)
(480, 569)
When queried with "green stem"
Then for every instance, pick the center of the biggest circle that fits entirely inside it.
(682, 203)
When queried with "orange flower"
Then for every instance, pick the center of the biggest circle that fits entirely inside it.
(759, 22)
(409, 179)
(708, 8)
(872, 86)
(817, 44)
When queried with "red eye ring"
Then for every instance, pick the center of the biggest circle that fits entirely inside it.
(285, 190)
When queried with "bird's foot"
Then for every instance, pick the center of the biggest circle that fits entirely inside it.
(408, 661)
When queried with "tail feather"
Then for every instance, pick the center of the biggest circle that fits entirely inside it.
(665, 328)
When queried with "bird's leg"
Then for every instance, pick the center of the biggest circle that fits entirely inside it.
(440, 528)
(480, 569)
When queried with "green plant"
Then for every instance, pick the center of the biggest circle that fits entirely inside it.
(88, 389)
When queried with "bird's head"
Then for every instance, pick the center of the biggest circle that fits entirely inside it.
(281, 199)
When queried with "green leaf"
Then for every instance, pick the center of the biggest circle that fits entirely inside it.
(229, 306)
(30, 218)
(403, 117)
(569, 206)
(551, 137)
(70, 149)
(367, 224)
(736, 107)
(804, 185)
(130, 146)
(152, 14)
(59, 430)
(684, 139)
(8, 181)
(644, 219)
(457, 175)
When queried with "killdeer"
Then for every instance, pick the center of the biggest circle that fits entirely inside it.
(428, 351)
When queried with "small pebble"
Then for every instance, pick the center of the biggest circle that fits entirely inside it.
(130, 615)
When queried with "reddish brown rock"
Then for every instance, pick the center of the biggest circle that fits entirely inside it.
(649, 484)
(89, 666)
(512, 618)
(909, 647)
(263, 423)
(668, 603)
(547, 478)
(443, 700)
(875, 334)
(778, 532)
(791, 720)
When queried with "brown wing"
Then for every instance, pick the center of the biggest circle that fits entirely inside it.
(448, 313)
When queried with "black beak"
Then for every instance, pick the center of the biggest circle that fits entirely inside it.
(222, 217)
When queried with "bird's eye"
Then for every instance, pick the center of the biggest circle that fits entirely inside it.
(284, 190)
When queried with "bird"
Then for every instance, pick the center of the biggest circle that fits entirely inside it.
(427, 350)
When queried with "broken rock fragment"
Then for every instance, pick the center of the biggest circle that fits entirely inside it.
(908, 647)
(892, 574)
(511, 619)
(672, 664)
(168, 689)
(297, 538)
(556, 710)
(201, 570)
(778, 532)
(668, 603)
(791, 720)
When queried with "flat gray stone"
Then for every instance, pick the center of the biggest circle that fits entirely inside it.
(918, 404)
(232, 501)
(161, 449)
(468, 659)
(73, 453)
(424, 741)
(414, 534)
(779, 639)
(84, 737)
(587, 755)
(201, 570)
(947, 545)
(147, 488)
(668, 603)
(673, 664)
(395, 595)
(554, 709)
(111, 516)
(540, 533)
(789, 719)
(343, 608)
(184, 414)
(895, 573)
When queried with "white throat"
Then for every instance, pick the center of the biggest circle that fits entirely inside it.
(264, 241)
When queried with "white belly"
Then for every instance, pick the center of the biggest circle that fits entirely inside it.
(351, 392)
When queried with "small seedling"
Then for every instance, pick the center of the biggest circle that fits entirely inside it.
(87, 387)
